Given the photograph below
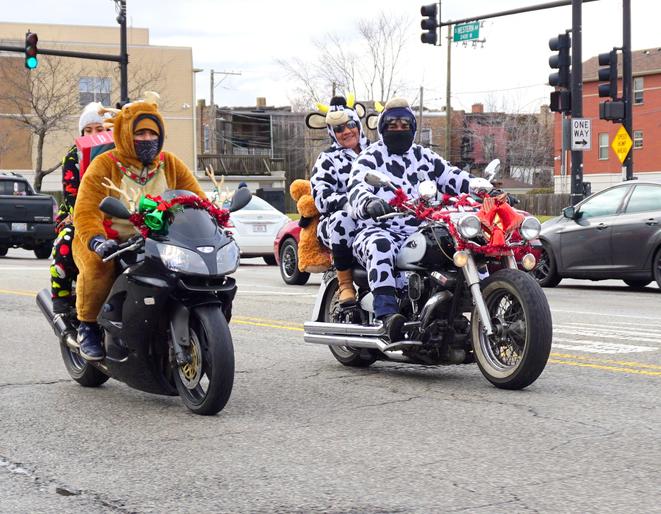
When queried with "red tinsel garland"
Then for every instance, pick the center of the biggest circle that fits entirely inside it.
(221, 216)
(401, 201)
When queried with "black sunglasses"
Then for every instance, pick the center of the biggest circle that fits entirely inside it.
(340, 128)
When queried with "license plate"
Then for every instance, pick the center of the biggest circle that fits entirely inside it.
(19, 227)
(259, 228)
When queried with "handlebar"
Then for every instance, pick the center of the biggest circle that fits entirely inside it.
(133, 243)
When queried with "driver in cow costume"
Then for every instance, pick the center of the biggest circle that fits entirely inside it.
(330, 180)
(406, 165)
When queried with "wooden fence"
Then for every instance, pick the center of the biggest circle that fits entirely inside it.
(546, 204)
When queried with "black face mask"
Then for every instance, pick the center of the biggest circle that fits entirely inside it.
(146, 151)
(398, 141)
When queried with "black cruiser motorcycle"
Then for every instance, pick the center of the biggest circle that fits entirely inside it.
(469, 297)
(165, 320)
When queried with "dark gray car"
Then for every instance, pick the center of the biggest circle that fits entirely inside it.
(613, 234)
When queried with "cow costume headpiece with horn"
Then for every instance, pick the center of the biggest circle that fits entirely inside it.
(340, 110)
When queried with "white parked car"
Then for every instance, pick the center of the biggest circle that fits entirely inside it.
(254, 228)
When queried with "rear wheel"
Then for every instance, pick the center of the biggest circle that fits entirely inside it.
(545, 272)
(3, 251)
(517, 351)
(289, 264)
(205, 383)
(44, 250)
(352, 357)
(86, 374)
(637, 284)
(270, 260)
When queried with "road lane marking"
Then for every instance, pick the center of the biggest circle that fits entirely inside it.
(24, 268)
(583, 345)
(574, 313)
(638, 368)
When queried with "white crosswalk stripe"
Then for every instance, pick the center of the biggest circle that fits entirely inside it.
(616, 338)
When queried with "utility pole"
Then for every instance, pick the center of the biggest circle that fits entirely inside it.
(123, 53)
(212, 121)
(627, 86)
(448, 103)
(422, 91)
(576, 98)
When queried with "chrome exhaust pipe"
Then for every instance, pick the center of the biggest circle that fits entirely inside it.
(343, 329)
(371, 343)
(62, 330)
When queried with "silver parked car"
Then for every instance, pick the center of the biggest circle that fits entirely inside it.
(613, 234)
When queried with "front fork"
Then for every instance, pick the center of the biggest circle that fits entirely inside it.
(473, 280)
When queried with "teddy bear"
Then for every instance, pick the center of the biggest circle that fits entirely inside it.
(313, 257)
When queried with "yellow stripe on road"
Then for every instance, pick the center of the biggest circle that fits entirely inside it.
(18, 293)
(567, 359)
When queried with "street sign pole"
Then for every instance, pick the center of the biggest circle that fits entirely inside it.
(627, 86)
(576, 99)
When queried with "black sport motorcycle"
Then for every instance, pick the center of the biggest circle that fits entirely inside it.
(468, 296)
(165, 320)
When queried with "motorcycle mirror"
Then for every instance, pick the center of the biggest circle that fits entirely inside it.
(240, 199)
(113, 207)
(492, 169)
(375, 180)
(427, 189)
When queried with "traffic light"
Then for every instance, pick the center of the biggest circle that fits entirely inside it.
(560, 61)
(609, 110)
(429, 23)
(31, 61)
(608, 74)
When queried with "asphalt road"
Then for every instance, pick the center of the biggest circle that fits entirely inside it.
(302, 433)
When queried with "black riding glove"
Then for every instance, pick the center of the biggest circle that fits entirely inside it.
(378, 207)
(103, 247)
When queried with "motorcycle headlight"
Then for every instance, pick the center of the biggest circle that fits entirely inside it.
(530, 228)
(469, 226)
(227, 258)
(176, 258)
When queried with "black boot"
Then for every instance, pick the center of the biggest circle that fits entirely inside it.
(394, 326)
(89, 339)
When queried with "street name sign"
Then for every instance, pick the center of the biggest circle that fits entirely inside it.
(466, 31)
(581, 134)
(622, 144)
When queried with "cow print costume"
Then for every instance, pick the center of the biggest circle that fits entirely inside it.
(329, 182)
(377, 243)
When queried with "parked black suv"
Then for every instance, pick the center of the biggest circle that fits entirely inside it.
(27, 219)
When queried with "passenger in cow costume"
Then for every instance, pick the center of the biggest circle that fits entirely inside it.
(330, 181)
(406, 165)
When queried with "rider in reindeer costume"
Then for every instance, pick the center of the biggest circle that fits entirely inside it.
(406, 165)
(137, 166)
(330, 180)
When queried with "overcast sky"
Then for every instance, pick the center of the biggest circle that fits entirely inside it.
(247, 36)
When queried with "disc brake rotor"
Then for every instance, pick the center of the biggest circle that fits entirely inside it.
(191, 372)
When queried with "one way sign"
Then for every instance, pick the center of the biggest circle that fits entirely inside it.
(581, 134)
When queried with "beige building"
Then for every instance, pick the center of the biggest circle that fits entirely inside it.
(167, 70)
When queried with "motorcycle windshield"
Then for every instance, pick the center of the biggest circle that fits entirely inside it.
(193, 227)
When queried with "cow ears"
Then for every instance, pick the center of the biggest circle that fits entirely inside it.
(316, 120)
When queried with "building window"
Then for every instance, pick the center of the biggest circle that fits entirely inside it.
(94, 89)
(603, 146)
(207, 139)
(425, 137)
(638, 90)
(637, 138)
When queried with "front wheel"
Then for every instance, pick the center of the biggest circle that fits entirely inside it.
(346, 355)
(289, 264)
(270, 260)
(636, 284)
(656, 263)
(205, 383)
(545, 272)
(516, 353)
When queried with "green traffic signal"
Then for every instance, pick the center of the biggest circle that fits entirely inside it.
(31, 63)
(31, 51)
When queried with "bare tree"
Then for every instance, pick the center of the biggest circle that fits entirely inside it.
(370, 67)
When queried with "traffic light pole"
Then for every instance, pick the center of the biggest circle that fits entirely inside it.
(123, 53)
(576, 98)
(627, 86)
(448, 102)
